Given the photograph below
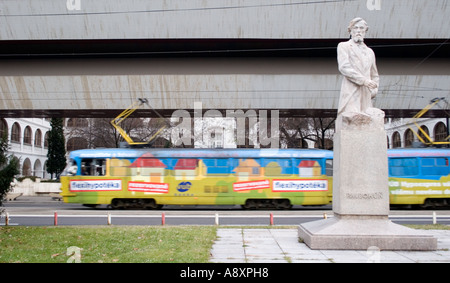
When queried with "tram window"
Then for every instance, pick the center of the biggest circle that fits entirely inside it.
(93, 167)
(99, 167)
(435, 166)
(329, 167)
(217, 166)
(221, 162)
(403, 167)
(86, 168)
(428, 162)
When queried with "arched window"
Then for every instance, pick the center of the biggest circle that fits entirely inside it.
(71, 122)
(216, 138)
(440, 132)
(37, 169)
(77, 122)
(409, 138)
(396, 140)
(46, 140)
(303, 143)
(44, 171)
(26, 167)
(38, 138)
(3, 128)
(27, 135)
(421, 135)
(328, 144)
(15, 133)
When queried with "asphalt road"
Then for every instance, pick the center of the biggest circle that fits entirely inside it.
(40, 211)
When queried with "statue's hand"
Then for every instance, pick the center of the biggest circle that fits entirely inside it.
(370, 84)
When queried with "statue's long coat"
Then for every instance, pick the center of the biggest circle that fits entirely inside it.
(357, 64)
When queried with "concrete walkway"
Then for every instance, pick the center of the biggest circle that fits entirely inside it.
(282, 246)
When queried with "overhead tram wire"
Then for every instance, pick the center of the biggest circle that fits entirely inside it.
(181, 9)
(423, 61)
(190, 52)
(431, 54)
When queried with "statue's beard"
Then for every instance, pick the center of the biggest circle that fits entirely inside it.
(358, 39)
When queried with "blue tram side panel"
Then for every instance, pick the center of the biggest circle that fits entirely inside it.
(426, 164)
(419, 177)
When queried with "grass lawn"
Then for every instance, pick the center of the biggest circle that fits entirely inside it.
(160, 244)
(429, 227)
(123, 244)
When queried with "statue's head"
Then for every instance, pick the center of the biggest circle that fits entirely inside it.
(357, 29)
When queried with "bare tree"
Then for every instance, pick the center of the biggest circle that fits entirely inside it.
(99, 132)
(295, 132)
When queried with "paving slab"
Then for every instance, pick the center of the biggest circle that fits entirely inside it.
(247, 245)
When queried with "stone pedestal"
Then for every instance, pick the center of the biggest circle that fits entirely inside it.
(362, 232)
(361, 193)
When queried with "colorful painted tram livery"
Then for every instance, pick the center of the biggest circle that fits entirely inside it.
(252, 178)
(419, 177)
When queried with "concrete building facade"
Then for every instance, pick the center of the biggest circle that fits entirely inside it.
(86, 58)
(403, 133)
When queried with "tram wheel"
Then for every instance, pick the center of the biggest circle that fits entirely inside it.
(117, 204)
(267, 204)
(135, 204)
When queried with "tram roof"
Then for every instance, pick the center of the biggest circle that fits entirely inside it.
(201, 153)
(418, 152)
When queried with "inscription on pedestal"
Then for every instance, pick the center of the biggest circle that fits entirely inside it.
(366, 196)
